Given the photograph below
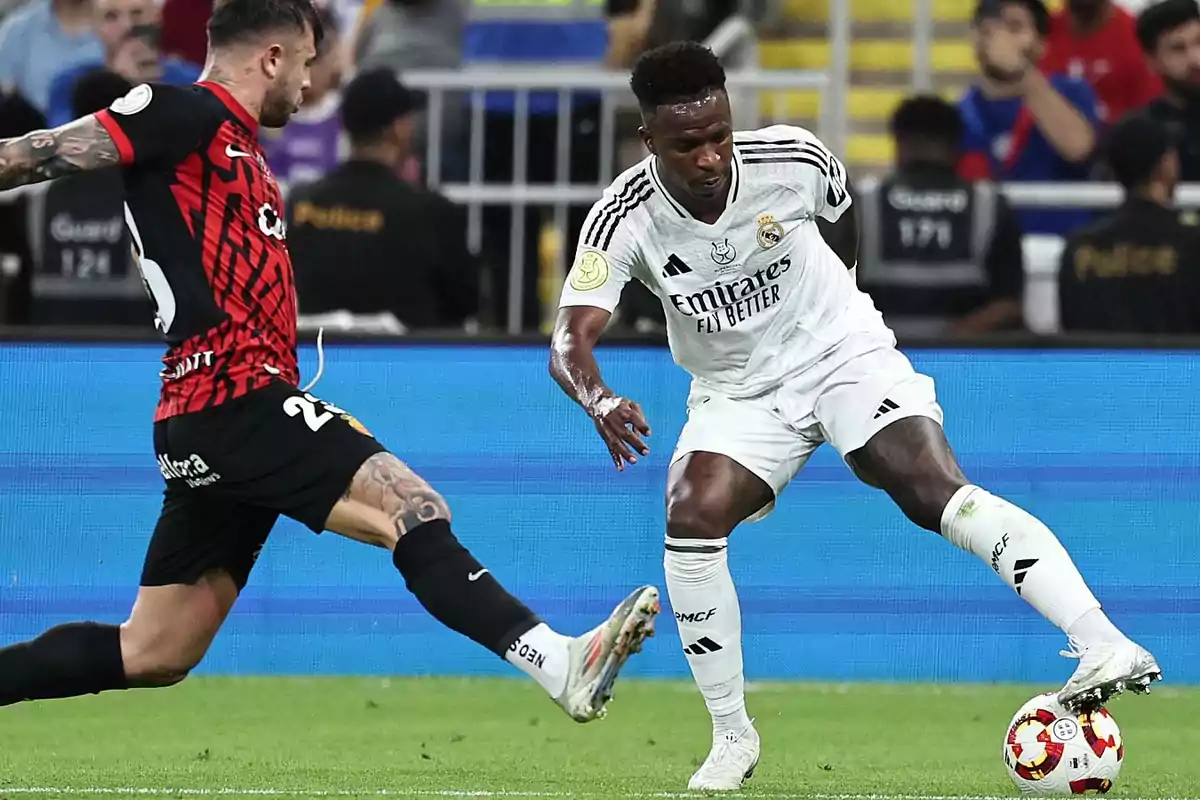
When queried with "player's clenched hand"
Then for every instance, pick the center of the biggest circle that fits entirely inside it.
(622, 425)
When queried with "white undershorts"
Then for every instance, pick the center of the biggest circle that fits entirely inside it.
(858, 389)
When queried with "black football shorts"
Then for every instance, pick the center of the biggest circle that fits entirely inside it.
(232, 470)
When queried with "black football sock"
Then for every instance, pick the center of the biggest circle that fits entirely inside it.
(66, 661)
(457, 591)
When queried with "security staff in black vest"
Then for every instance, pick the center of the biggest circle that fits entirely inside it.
(1137, 271)
(940, 256)
(85, 274)
(365, 241)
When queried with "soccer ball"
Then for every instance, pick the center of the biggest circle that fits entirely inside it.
(1049, 750)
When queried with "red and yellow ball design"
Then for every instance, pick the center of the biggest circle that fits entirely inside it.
(1035, 753)
(1050, 750)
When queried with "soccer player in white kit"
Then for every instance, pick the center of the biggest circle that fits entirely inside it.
(750, 242)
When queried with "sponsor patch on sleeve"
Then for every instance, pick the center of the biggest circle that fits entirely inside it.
(590, 271)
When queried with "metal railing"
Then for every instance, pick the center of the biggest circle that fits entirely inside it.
(735, 42)
(1041, 251)
(835, 103)
(923, 23)
(745, 87)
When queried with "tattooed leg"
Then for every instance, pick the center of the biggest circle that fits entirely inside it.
(389, 505)
(384, 501)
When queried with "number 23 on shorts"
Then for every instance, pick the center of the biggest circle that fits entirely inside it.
(316, 413)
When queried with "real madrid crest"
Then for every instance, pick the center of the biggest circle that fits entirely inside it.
(770, 232)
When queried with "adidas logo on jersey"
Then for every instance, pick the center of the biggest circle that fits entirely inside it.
(674, 266)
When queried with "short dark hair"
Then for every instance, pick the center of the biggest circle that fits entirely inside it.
(1161, 18)
(331, 30)
(1037, 8)
(928, 117)
(674, 72)
(1134, 147)
(373, 101)
(97, 89)
(235, 21)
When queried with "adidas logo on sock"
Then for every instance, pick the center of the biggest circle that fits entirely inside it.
(702, 646)
(1020, 569)
(884, 407)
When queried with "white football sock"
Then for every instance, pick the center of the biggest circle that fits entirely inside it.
(710, 625)
(542, 654)
(1029, 558)
(1094, 626)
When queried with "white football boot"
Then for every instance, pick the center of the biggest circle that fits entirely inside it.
(730, 763)
(598, 655)
(1107, 669)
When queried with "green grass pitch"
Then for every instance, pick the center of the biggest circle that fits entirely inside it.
(369, 737)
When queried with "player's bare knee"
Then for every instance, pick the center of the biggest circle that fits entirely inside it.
(422, 504)
(154, 659)
(158, 678)
(923, 499)
(698, 510)
(400, 517)
(158, 669)
(695, 519)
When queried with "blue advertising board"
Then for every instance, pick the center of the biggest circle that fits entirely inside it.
(835, 585)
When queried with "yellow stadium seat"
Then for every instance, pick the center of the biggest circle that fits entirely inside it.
(877, 10)
(880, 52)
(874, 151)
(867, 103)
(865, 55)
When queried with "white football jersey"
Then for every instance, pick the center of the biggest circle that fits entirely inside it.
(750, 300)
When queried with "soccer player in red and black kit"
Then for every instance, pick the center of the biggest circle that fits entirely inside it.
(237, 442)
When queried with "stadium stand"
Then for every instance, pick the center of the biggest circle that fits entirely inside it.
(882, 61)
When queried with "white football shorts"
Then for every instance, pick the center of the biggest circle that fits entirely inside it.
(859, 388)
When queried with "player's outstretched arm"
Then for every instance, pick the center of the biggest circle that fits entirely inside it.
(572, 354)
(44, 155)
(619, 421)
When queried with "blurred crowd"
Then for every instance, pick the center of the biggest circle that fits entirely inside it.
(1089, 93)
(1094, 91)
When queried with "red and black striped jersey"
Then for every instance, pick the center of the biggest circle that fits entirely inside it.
(206, 219)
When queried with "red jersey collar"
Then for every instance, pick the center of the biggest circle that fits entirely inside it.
(232, 104)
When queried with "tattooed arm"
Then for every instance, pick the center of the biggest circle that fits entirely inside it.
(44, 155)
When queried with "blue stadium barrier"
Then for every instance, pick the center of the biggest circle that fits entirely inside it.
(835, 585)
